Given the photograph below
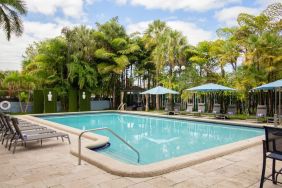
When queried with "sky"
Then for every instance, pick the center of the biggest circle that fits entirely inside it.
(198, 20)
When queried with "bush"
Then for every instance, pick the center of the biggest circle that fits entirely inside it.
(240, 116)
(84, 104)
(73, 106)
(38, 102)
(50, 106)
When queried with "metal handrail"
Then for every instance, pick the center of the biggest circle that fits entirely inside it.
(111, 131)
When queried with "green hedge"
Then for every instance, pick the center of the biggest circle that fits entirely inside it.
(50, 106)
(38, 102)
(73, 105)
(84, 104)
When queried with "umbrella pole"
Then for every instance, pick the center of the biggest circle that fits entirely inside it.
(275, 100)
(279, 109)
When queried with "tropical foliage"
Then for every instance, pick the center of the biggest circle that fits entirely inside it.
(10, 21)
(106, 59)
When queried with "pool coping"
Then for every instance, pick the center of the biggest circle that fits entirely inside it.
(120, 168)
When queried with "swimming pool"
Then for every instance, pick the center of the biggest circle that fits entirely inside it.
(156, 138)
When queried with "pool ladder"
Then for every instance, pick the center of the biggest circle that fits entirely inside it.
(113, 133)
(122, 106)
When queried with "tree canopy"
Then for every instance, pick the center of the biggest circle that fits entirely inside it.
(106, 59)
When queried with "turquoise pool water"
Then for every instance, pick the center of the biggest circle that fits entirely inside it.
(156, 138)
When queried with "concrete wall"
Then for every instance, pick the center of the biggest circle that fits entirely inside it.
(100, 105)
(15, 107)
(95, 105)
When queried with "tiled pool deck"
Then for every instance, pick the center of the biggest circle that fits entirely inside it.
(54, 166)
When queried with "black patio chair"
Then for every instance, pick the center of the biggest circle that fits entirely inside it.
(272, 149)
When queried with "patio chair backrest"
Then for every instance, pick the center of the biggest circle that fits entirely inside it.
(201, 107)
(177, 107)
(167, 107)
(261, 110)
(273, 139)
(1, 120)
(231, 109)
(216, 108)
(7, 120)
(15, 123)
(189, 108)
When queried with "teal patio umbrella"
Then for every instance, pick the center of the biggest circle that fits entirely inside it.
(210, 87)
(276, 86)
(159, 90)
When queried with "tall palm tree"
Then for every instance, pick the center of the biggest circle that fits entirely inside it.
(153, 36)
(174, 46)
(10, 11)
(113, 54)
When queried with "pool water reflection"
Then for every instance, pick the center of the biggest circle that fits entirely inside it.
(156, 138)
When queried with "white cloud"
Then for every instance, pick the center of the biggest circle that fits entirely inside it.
(228, 16)
(70, 8)
(193, 33)
(138, 27)
(172, 5)
(267, 2)
(13, 50)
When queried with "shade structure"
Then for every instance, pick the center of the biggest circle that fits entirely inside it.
(273, 85)
(210, 87)
(159, 90)
(276, 85)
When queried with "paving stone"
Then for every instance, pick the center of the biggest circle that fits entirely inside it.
(53, 166)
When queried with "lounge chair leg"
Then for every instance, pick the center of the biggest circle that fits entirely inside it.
(10, 145)
(41, 142)
(3, 139)
(69, 140)
(7, 141)
(15, 145)
(62, 139)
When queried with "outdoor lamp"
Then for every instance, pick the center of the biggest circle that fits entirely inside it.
(49, 96)
(176, 68)
(83, 95)
(183, 67)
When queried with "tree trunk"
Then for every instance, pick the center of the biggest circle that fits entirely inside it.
(170, 101)
(157, 102)
(147, 102)
(114, 95)
(20, 102)
(27, 103)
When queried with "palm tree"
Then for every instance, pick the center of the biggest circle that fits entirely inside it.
(113, 54)
(154, 36)
(9, 16)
